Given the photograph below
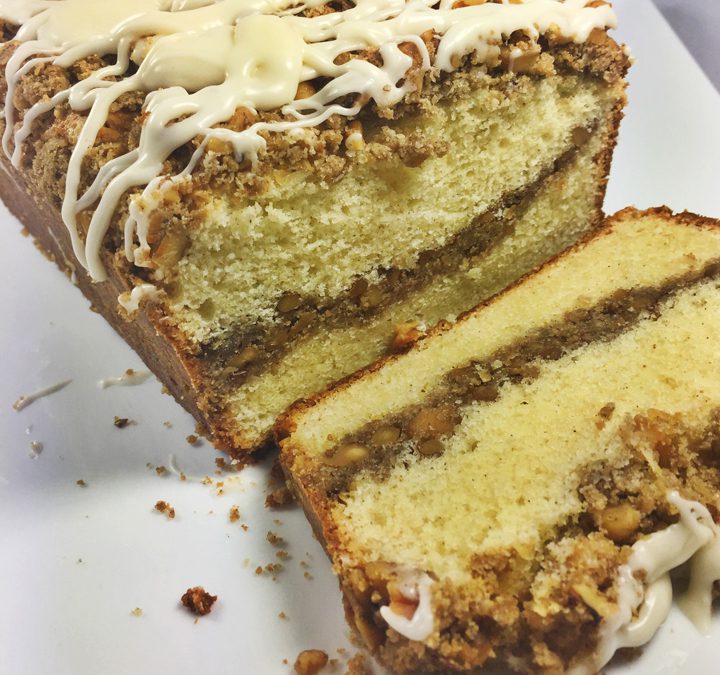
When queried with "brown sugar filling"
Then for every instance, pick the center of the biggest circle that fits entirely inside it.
(421, 428)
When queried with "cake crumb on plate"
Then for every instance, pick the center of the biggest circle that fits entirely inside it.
(164, 507)
(310, 662)
(198, 600)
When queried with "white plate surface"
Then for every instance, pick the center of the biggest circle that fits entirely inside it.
(75, 561)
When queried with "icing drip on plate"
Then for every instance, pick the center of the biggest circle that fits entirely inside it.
(198, 61)
(28, 399)
(644, 603)
(130, 378)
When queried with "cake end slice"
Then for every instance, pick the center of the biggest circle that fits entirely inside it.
(515, 489)
(255, 249)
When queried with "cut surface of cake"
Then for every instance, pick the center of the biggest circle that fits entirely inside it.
(263, 197)
(515, 489)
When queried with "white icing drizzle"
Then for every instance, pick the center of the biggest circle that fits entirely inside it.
(416, 588)
(644, 605)
(24, 401)
(198, 61)
(129, 378)
(131, 301)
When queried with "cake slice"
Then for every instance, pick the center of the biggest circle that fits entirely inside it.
(516, 488)
(262, 198)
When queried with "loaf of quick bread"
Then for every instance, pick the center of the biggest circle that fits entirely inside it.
(263, 197)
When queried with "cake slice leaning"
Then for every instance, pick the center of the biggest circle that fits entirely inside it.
(263, 198)
(515, 489)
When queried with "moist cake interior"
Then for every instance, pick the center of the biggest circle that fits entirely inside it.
(514, 458)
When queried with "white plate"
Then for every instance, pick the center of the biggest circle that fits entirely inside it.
(75, 561)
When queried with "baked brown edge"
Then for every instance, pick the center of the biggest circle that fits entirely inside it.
(157, 344)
